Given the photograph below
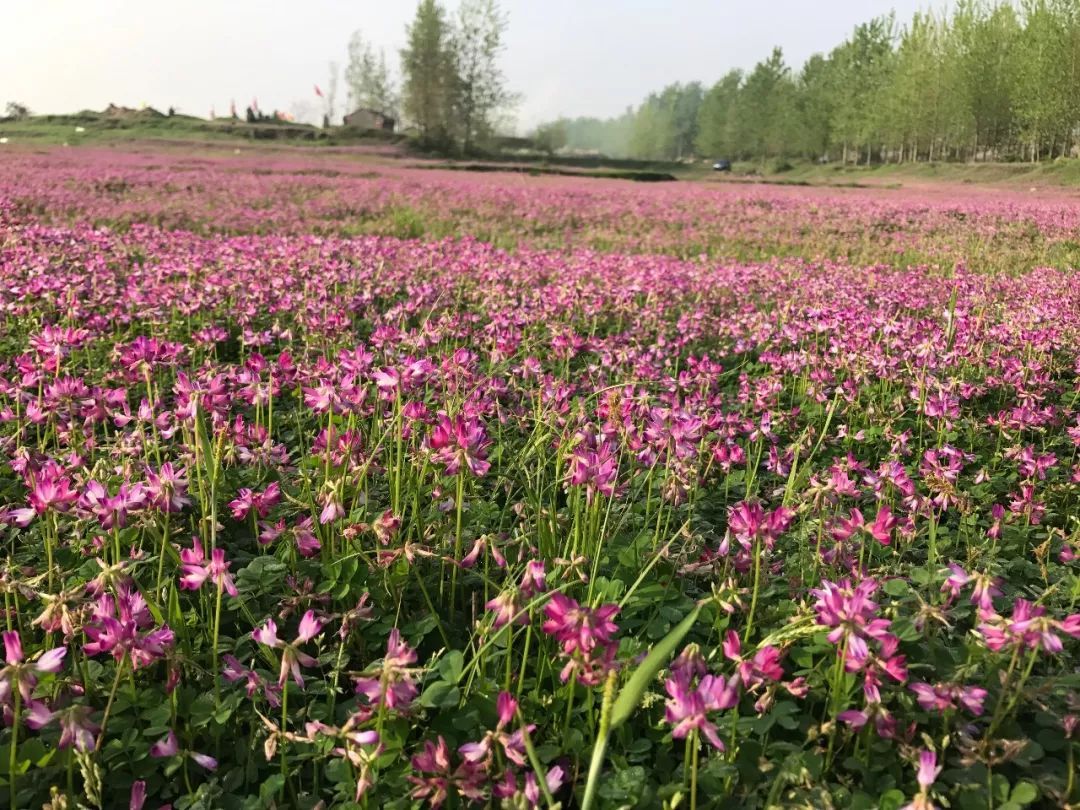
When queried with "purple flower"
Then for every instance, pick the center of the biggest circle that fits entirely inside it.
(292, 658)
(22, 674)
(393, 683)
(169, 746)
(691, 698)
(195, 569)
(121, 627)
(459, 442)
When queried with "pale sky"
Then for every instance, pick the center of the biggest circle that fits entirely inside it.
(566, 57)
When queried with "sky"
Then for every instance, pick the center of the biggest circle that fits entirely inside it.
(564, 57)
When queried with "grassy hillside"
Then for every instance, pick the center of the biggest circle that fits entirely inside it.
(1060, 172)
(90, 126)
(149, 125)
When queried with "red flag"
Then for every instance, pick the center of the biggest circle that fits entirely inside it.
(318, 92)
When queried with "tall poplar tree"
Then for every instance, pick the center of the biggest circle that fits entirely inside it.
(429, 72)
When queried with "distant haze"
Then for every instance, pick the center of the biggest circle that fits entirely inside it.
(566, 57)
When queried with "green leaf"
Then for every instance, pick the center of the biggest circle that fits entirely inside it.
(896, 587)
(1024, 793)
(451, 666)
(891, 799)
(1000, 787)
(440, 695)
(271, 786)
(626, 785)
(630, 695)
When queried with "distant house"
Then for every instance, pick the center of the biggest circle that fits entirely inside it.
(116, 111)
(369, 119)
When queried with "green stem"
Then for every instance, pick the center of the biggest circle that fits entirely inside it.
(694, 769)
(754, 595)
(214, 649)
(596, 764)
(13, 754)
(109, 703)
(457, 543)
(281, 742)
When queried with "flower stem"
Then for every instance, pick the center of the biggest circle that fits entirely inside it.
(694, 768)
(281, 743)
(596, 764)
(109, 703)
(214, 649)
(13, 754)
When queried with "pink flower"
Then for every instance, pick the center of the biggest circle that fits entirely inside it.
(322, 398)
(436, 779)
(460, 442)
(692, 696)
(533, 581)
(20, 674)
(138, 795)
(852, 615)
(195, 570)
(881, 528)
(50, 490)
(763, 667)
(332, 508)
(292, 658)
(261, 502)
(925, 775)
(749, 521)
(506, 609)
(512, 744)
(394, 682)
(166, 489)
(111, 510)
(884, 722)
(169, 746)
(595, 469)
(579, 628)
(77, 730)
(943, 696)
(233, 671)
(1029, 626)
(121, 627)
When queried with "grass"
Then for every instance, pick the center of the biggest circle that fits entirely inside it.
(97, 128)
(147, 126)
(1060, 172)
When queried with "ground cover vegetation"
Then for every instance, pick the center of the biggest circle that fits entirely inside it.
(370, 487)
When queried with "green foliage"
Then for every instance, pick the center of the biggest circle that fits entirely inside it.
(987, 81)
(428, 71)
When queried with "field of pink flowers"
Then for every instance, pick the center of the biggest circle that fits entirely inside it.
(332, 484)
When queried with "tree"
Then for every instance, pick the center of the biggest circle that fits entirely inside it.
(1044, 73)
(367, 78)
(864, 63)
(429, 72)
(815, 99)
(766, 108)
(330, 97)
(916, 104)
(684, 101)
(717, 117)
(481, 90)
(610, 136)
(653, 130)
(551, 137)
(17, 111)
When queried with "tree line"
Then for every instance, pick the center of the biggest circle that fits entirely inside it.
(452, 89)
(986, 81)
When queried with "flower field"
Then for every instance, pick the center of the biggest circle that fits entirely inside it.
(335, 484)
